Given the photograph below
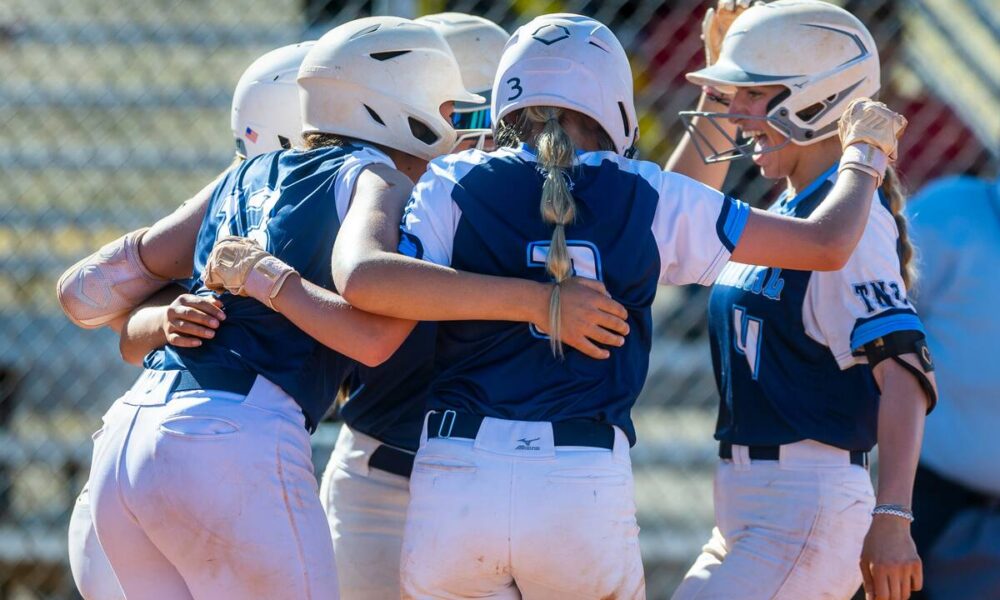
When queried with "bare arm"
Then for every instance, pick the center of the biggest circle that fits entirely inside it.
(169, 317)
(167, 249)
(889, 558)
(372, 276)
(823, 242)
(142, 331)
(329, 319)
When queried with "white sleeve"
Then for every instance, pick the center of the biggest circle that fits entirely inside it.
(696, 228)
(431, 217)
(865, 300)
(347, 177)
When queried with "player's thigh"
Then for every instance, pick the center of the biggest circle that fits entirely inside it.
(367, 513)
(228, 492)
(575, 533)
(141, 569)
(828, 565)
(789, 534)
(455, 542)
(91, 570)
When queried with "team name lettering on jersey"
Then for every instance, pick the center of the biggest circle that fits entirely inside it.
(764, 281)
(877, 295)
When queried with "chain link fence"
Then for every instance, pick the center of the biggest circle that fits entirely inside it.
(112, 113)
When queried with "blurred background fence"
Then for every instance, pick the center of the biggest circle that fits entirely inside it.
(112, 113)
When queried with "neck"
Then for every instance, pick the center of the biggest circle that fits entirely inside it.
(813, 161)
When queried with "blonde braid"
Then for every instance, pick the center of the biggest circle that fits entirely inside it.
(896, 195)
(555, 156)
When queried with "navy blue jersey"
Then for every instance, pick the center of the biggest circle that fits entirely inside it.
(635, 226)
(388, 402)
(292, 202)
(786, 345)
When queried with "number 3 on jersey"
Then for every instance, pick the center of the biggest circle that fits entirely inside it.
(747, 336)
(585, 257)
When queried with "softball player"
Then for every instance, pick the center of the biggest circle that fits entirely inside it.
(202, 479)
(264, 118)
(812, 367)
(365, 487)
(521, 447)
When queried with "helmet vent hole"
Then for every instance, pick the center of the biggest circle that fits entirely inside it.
(625, 123)
(276, 77)
(809, 113)
(596, 45)
(422, 132)
(383, 56)
(374, 115)
(371, 29)
(284, 142)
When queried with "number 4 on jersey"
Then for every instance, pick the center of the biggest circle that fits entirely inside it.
(747, 336)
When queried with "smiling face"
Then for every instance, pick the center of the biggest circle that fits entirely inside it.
(753, 101)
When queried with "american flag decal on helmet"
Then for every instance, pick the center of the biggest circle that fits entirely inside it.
(251, 135)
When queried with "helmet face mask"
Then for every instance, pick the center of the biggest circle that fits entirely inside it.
(737, 147)
(822, 55)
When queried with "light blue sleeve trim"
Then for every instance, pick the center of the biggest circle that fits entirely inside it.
(736, 221)
(871, 330)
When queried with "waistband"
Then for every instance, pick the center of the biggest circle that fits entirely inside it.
(452, 424)
(774, 453)
(225, 380)
(391, 460)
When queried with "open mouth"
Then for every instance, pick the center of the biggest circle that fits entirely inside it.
(761, 143)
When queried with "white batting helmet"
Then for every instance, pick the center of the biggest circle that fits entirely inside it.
(265, 115)
(477, 44)
(822, 54)
(383, 80)
(573, 62)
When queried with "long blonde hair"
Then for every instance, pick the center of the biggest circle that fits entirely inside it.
(556, 152)
(895, 193)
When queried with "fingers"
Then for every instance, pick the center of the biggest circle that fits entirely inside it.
(193, 315)
(881, 585)
(183, 341)
(604, 301)
(205, 304)
(727, 5)
(612, 323)
(867, 579)
(587, 347)
(917, 577)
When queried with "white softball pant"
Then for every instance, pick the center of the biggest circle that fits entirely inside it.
(510, 515)
(91, 570)
(210, 495)
(787, 529)
(366, 508)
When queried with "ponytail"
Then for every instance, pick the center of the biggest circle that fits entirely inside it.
(896, 195)
(556, 152)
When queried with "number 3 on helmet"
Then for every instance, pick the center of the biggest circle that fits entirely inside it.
(572, 62)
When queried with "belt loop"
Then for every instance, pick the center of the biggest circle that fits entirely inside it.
(741, 457)
(450, 422)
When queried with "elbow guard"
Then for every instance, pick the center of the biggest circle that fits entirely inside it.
(108, 283)
(899, 343)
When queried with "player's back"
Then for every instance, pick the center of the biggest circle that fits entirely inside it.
(292, 203)
(489, 203)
